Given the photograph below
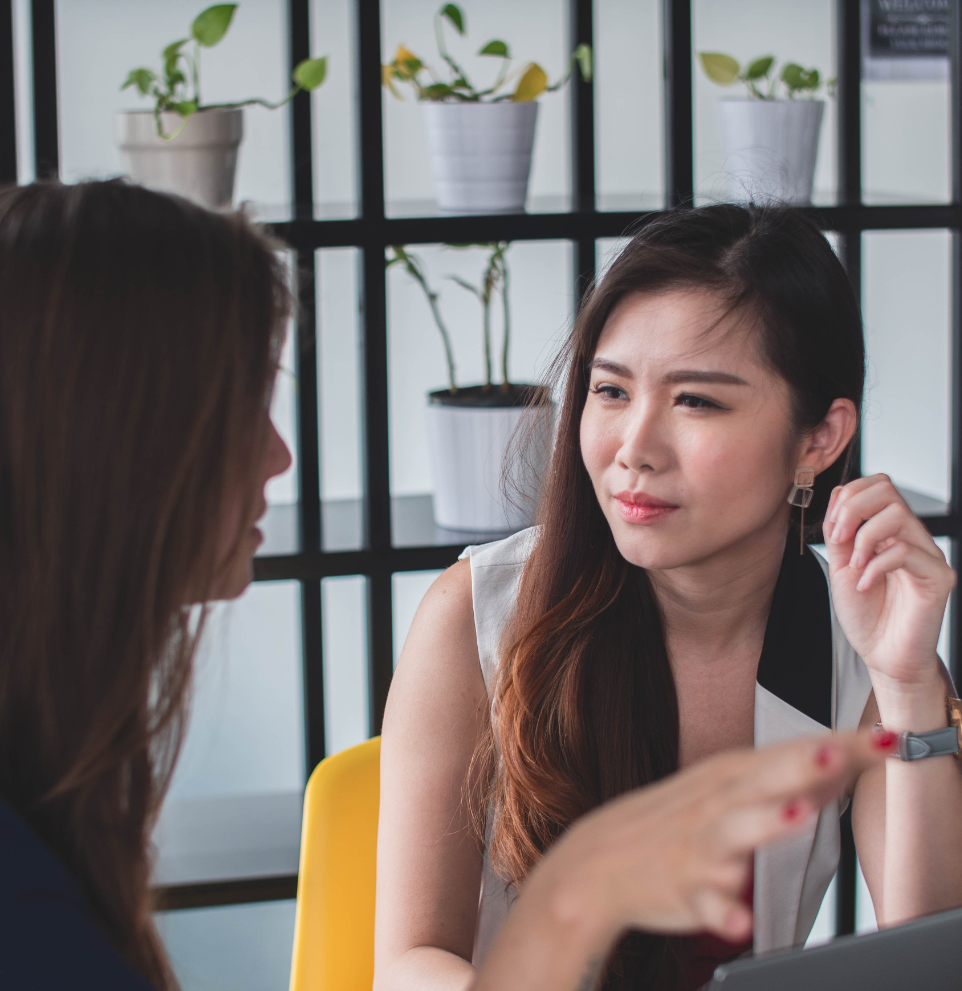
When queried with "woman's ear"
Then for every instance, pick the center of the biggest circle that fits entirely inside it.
(825, 444)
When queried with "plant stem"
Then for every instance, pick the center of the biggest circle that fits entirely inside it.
(505, 381)
(442, 50)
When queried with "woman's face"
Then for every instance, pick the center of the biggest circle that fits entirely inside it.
(686, 435)
(240, 537)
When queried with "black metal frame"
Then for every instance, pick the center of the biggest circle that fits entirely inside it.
(371, 232)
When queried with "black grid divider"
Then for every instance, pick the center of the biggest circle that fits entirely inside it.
(372, 232)
(8, 97)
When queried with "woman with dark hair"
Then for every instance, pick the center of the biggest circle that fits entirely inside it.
(667, 608)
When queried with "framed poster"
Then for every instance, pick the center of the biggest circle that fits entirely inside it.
(906, 39)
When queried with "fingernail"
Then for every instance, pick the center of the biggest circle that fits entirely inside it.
(855, 561)
(835, 492)
(824, 754)
(863, 583)
(792, 811)
(884, 739)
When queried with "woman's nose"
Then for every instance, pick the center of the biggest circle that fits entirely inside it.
(642, 442)
(278, 454)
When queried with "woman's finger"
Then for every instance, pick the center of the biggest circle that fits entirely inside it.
(723, 914)
(896, 521)
(853, 507)
(755, 824)
(915, 561)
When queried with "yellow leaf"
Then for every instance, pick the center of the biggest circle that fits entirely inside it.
(404, 55)
(531, 85)
(721, 69)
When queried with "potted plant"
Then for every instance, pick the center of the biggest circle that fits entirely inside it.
(770, 142)
(183, 145)
(486, 464)
(480, 139)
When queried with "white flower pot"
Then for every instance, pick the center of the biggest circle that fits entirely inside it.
(481, 154)
(486, 471)
(199, 163)
(770, 148)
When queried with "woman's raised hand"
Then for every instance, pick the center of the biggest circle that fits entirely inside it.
(890, 583)
(674, 857)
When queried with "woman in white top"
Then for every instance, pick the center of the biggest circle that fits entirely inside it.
(661, 612)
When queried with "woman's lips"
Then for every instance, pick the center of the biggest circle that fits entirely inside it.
(642, 509)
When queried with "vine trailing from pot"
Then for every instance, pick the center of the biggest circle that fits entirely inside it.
(486, 473)
(480, 137)
(770, 136)
(176, 88)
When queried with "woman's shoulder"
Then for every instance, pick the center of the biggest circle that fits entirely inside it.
(509, 552)
(49, 938)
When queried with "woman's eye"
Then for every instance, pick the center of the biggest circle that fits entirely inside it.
(609, 392)
(695, 402)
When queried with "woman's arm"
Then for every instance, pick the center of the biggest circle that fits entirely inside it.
(890, 583)
(428, 862)
(670, 858)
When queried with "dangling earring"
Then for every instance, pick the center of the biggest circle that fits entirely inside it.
(801, 496)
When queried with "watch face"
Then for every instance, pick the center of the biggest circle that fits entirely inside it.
(955, 716)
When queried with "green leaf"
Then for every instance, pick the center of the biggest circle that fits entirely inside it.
(142, 79)
(453, 13)
(186, 108)
(211, 25)
(760, 67)
(310, 73)
(437, 91)
(797, 78)
(495, 48)
(584, 59)
(173, 49)
(531, 85)
(174, 78)
(721, 69)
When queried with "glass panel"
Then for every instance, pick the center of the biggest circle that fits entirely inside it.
(334, 110)
(607, 250)
(541, 305)
(906, 120)
(535, 30)
(746, 30)
(346, 719)
(408, 588)
(906, 300)
(629, 108)
(339, 375)
(234, 948)
(23, 84)
(100, 41)
(865, 921)
(233, 809)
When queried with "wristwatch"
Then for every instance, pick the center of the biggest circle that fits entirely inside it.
(937, 742)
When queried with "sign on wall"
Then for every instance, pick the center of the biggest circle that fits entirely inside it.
(906, 39)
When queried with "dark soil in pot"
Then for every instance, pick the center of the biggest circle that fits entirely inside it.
(493, 396)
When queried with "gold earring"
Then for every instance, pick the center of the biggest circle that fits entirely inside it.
(801, 496)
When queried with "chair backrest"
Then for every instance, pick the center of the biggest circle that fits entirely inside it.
(334, 927)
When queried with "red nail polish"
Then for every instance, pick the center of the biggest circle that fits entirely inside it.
(791, 811)
(823, 756)
(884, 739)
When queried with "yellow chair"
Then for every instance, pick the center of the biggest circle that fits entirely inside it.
(334, 926)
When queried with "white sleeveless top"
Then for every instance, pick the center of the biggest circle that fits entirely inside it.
(791, 877)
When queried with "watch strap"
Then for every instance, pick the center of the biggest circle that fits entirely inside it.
(935, 743)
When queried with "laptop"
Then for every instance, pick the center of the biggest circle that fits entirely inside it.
(922, 955)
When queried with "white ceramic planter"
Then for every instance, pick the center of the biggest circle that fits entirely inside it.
(481, 154)
(484, 477)
(770, 148)
(199, 163)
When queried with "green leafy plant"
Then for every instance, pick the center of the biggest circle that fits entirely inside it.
(176, 87)
(725, 71)
(523, 84)
(494, 281)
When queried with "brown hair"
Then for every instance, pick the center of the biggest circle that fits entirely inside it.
(585, 706)
(139, 336)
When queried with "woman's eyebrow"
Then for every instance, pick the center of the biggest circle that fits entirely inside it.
(607, 365)
(711, 378)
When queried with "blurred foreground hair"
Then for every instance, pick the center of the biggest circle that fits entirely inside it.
(139, 337)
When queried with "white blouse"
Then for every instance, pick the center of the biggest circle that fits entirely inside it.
(792, 699)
